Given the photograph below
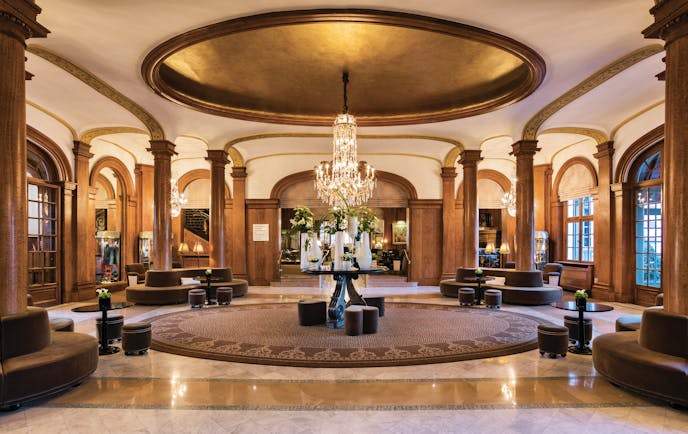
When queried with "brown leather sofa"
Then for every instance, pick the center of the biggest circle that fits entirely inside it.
(164, 287)
(551, 269)
(652, 361)
(520, 287)
(37, 362)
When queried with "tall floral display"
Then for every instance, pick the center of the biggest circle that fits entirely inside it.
(366, 224)
(336, 225)
(302, 223)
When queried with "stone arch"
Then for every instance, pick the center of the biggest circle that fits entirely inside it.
(490, 174)
(624, 167)
(121, 172)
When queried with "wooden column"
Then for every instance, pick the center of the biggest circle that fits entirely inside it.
(68, 241)
(83, 218)
(145, 183)
(524, 150)
(671, 25)
(469, 160)
(162, 151)
(239, 267)
(450, 226)
(218, 161)
(622, 241)
(17, 23)
(542, 174)
(425, 241)
(602, 286)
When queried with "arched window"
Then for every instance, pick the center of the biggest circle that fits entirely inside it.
(576, 184)
(647, 175)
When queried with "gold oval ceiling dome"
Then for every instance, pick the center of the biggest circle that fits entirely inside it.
(286, 67)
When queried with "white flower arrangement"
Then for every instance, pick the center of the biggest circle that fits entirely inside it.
(347, 257)
(303, 220)
(581, 293)
(103, 293)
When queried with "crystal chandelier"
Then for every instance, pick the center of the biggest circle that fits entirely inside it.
(509, 199)
(176, 199)
(344, 182)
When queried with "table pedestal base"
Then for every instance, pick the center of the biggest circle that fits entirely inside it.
(107, 350)
(585, 350)
(335, 311)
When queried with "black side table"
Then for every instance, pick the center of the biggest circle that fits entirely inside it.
(581, 347)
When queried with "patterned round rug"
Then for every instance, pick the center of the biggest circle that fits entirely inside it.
(409, 334)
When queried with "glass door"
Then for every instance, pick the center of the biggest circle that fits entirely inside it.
(43, 241)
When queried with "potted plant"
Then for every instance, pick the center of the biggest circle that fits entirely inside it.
(104, 302)
(302, 223)
(313, 262)
(478, 272)
(581, 298)
(346, 261)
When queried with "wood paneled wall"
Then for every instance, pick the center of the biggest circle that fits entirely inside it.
(425, 241)
(262, 255)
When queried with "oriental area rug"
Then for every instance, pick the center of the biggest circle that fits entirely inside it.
(409, 334)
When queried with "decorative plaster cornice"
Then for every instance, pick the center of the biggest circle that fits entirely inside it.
(329, 155)
(71, 129)
(530, 131)
(88, 135)
(236, 157)
(156, 131)
(616, 129)
(598, 136)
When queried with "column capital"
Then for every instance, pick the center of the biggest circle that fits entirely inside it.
(470, 157)
(18, 19)
(238, 172)
(161, 148)
(217, 157)
(620, 187)
(605, 149)
(524, 148)
(671, 20)
(82, 149)
(448, 173)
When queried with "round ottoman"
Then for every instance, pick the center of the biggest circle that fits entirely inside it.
(553, 339)
(197, 298)
(113, 328)
(466, 296)
(353, 320)
(136, 338)
(224, 295)
(493, 298)
(312, 312)
(371, 315)
(62, 325)
(628, 323)
(571, 323)
(378, 302)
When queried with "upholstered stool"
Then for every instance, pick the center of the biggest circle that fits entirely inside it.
(224, 295)
(628, 323)
(493, 298)
(312, 312)
(371, 315)
(466, 296)
(196, 298)
(378, 302)
(61, 324)
(553, 339)
(136, 338)
(113, 328)
(353, 320)
(571, 323)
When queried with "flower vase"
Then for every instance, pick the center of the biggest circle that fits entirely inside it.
(104, 304)
(338, 250)
(314, 249)
(364, 256)
(352, 228)
(581, 302)
(304, 251)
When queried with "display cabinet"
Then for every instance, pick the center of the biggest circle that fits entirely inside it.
(108, 256)
(541, 249)
(145, 248)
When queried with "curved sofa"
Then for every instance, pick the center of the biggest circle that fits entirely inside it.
(164, 286)
(652, 361)
(519, 287)
(37, 362)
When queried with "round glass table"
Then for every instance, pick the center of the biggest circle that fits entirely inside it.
(581, 347)
(104, 349)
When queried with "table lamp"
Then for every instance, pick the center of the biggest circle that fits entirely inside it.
(503, 251)
(183, 249)
(198, 249)
(489, 249)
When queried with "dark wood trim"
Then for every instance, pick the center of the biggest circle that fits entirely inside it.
(63, 165)
(624, 167)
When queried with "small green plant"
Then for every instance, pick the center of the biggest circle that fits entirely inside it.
(336, 220)
(478, 271)
(313, 259)
(581, 293)
(208, 272)
(367, 220)
(347, 257)
(103, 293)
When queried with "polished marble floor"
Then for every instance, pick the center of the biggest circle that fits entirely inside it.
(161, 392)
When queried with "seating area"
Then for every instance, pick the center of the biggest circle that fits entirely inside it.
(518, 287)
(167, 287)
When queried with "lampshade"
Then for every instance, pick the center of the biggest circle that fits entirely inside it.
(198, 248)
(504, 249)
(183, 248)
(490, 248)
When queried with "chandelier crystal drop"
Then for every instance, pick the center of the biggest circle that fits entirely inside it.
(176, 199)
(344, 182)
(509, 199)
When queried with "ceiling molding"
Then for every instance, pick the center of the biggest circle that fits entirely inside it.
(88, 135)
(236, 157)
(452, 157)
(551, 160)
(66, 124)
(530, 131)
(153, 126)
(633, 116)
(136, 160)
(597, 135)
(396, 154)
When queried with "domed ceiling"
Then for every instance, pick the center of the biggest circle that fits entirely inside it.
(286, 68)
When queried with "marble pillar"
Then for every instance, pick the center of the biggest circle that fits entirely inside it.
(469, 160)
(162, 151)
(218, 161)
(17, 24)
(524, 150)
(671, 25)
